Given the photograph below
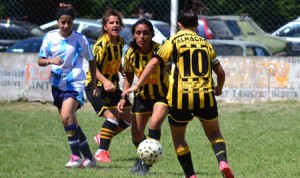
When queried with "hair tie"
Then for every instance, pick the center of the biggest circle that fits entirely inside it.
(62, 5)
(65, 9)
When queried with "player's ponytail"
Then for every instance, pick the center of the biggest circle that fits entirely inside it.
(188, 16)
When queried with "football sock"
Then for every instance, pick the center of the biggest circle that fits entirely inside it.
(107, 133)
(136, 144)
(121, 126)
(83, 145)
(219, 147)
(154, 134)
(73, 138)
(185, 159)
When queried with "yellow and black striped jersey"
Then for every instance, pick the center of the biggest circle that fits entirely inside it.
(108, 57)
(191, 74)
(156, 84)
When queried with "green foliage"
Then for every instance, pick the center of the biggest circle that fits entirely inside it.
(262, 141)
(1, 9)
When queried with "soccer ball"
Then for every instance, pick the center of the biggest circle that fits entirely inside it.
(150, 151)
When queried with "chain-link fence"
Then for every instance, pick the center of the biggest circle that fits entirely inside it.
(42, 11)
(269, 15)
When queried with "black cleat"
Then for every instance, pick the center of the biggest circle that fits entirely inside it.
(136, 166)
(144, 169)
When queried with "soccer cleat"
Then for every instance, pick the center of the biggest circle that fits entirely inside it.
(136, 166)
(192, 176)
(144, 169)
(97, 138)
(103, 156)
(74, 162)
(225, 169)
(88, 163)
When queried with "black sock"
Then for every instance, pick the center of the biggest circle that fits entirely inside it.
(83, 145)
(154, 134)
(73, 138)
(186, 164)
(121, 126)
(220, 151)
(107, 133)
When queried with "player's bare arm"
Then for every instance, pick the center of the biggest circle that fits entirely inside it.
(107, 84)
(146, 72)
(219, 71)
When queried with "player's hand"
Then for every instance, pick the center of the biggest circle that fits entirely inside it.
(109, 86)
(129, 90)
(218, 91)
(56, 61)
(120, 105)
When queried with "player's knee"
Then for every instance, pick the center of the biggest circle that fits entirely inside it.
(66, 119)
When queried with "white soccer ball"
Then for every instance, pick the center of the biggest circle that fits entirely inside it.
(150, 151)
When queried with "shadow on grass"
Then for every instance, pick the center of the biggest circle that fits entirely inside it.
(152, 173)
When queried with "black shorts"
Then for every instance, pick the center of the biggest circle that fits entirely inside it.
(179, 117)
(145, 106)
(105, 100)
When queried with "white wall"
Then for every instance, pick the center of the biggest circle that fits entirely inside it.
(247, 79)
(256, 78)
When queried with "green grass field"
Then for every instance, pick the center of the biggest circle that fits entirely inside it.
(263, 141)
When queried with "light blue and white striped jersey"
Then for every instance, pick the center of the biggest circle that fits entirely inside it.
(72, 50)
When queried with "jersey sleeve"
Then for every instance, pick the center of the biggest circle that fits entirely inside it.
(211, 51)
(128, 59)
(43, 50)
(165, 51)
(99, 51)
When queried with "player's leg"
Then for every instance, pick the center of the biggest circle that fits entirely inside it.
(178, 121)
(69, 121)
(138, 125)
(123, 124)
(96, 102)
(124, 121)
(84, 147)
(160, 112)
(182, 150)
(107, 133)
(213, 133)
(141, 112)
(125, 117)
(121, 120)
(89, 160)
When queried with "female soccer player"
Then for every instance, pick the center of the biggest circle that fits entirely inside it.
(64, 50)
(191, 90)
(108, 54)
(150, 98)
